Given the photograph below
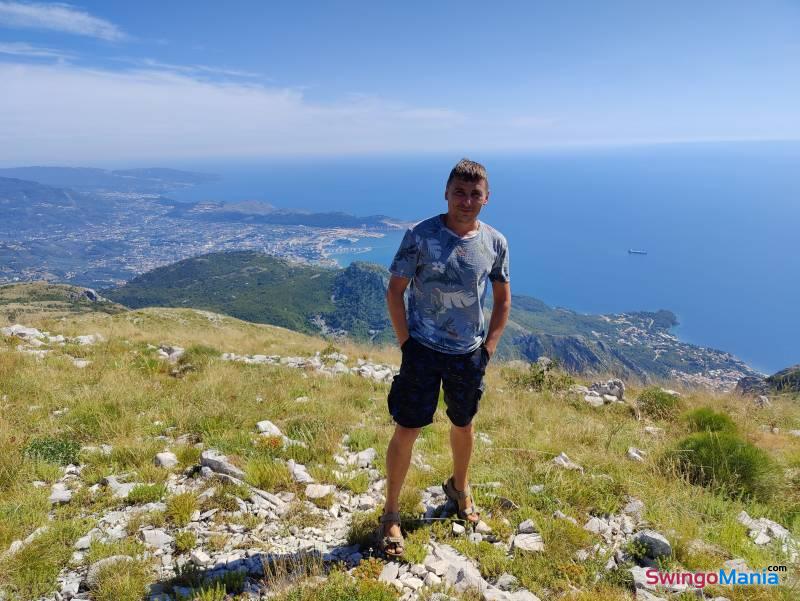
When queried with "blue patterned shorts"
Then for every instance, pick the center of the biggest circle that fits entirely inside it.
(414, 394)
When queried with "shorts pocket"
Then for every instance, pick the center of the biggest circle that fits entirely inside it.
(486, 356)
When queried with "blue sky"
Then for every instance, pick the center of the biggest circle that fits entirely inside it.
(170, 80)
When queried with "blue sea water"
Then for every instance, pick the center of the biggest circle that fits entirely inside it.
(719, 222)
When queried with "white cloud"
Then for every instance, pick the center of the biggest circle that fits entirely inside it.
(192, 69)
(54, 112)
(64, 112)
(57, 17)
(29, 51)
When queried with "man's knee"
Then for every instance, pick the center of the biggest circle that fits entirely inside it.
(463, 430)
(404, 434)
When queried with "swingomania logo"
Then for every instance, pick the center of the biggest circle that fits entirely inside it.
(767, 575)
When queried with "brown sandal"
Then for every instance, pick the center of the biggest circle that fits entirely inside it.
(456, 495)
(392, 546)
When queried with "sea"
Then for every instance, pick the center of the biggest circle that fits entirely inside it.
(720, 223)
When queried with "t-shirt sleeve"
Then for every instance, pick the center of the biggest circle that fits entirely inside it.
(499, 272)
(404, 263)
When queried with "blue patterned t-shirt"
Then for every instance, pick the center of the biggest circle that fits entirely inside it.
(448, 282)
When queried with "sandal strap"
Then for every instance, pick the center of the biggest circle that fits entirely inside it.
(460, 494)
(393, 516)
(394, 540)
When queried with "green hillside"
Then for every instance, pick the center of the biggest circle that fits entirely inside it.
(351, 302)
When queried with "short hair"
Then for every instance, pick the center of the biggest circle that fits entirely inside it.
(469, 171)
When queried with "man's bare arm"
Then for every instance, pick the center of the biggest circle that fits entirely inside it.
(501, 296)
(397, 308)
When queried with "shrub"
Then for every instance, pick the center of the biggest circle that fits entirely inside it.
(146, 493)
(706, 419)
(725, 462)
(62, 451)
(658, 404)
(539, 377)
(369, 569)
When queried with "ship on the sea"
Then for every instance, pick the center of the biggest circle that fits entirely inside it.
(633, 251)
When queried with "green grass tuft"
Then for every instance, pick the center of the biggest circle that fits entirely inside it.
(268, 475)
(31, 572)
(146, 493)
(181, 507)
(123, 581)
(658, 404)
(185, 541)
(723, 461)
(705, 419)
(341, 587)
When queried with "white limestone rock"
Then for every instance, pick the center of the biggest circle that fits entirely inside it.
(389, 572)
(594, 400)
(532, 543)
(219, 463)
(299, 472)
(200, 558)
(563, 461)
(156, 538)
(363, 459)
(319, 491)
(60, 494)
(166, 460)
(267, 428)
(527, 527)
(635, 454)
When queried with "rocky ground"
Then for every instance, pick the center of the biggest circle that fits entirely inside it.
(252, 549)
(255, 533)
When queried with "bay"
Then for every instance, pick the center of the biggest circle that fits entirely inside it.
(719, 223)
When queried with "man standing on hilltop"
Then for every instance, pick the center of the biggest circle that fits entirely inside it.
(448, 260)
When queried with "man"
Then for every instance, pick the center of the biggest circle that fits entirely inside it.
(448, 260)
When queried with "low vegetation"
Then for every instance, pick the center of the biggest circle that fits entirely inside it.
(705, 419)
(659, 404)
(725, 462)
(716, 455)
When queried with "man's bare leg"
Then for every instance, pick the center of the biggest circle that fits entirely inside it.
(398, 458)
(461, 445)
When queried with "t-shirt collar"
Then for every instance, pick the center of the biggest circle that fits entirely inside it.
(444, 227)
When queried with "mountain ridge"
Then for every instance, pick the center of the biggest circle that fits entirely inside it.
(350, 302)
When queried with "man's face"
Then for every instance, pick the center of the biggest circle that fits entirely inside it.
(465, 199)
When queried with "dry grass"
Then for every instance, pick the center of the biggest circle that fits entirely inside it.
(126, 397)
